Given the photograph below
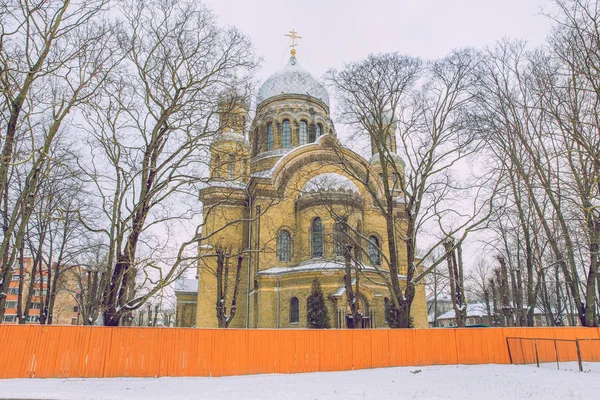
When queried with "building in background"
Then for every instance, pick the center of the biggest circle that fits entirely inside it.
(186, 292)
(65, 308)
(477, 314)
(437, 305)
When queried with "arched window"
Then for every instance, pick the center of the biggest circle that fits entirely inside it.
(217, 167)
(284, 246)
(339, 237)
(294, 310)
(319, 130)
(373, 248)
(317, 237)
(269, 137)
(312, 135)
(231, 167)
(303, 132)
(286, 134)
(255, 143)
(386, 309)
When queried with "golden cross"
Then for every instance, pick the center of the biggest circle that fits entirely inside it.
(294, 35)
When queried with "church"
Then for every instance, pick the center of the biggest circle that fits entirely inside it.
(278, 187)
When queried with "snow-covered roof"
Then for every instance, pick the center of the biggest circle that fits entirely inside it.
(342, 289)
(473, 310)
(226, 184)
(231, 137)
(310, 265)
(440, 297)
(267, 173)
(314, 265)
(185, 285)
(292, 79)
(479, 310)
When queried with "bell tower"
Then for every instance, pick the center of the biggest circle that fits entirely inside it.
(225, 214)
(384, 133)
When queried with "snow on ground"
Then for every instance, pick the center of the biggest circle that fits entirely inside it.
(424, 383)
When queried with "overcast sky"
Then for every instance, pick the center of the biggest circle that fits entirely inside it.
(339, 31)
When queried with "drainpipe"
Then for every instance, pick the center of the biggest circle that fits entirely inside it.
(249, 260)
(278, 302)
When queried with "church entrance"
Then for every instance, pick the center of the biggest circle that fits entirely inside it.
(364, 312)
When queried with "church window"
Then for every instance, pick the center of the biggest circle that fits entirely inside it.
(255, 143)
(361, 306)
(319, 130)
(286, 134)
(339, 236)
(231, 167)
(269, 137)
(303, 132)
(386, 309)
(373, 248)
(217, 167)
(317, 237)
(294, 310)
(312, 137)
(284, 246)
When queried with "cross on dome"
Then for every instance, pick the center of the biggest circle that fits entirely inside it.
(293, 35)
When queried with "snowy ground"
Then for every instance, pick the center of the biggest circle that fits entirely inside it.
(438, 382)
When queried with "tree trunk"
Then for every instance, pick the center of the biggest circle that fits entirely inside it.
(455, 273)
(354, 321)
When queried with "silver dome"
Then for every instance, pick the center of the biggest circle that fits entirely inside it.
(292, 79)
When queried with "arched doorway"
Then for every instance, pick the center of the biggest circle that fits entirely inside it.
(364, 312)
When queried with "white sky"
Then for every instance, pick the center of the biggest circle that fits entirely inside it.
(339, 31)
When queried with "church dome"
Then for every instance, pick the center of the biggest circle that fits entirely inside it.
(292, 79)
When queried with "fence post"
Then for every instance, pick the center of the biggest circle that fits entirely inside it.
(537, 358)
(556, 353)
(509, 352)
(579, 355)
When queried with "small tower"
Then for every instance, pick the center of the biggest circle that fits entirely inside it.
(384, 133)
(225, 200)
(230, 150)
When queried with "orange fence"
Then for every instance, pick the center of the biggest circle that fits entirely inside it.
(66, 352)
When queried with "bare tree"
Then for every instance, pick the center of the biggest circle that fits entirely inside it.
(41, 44)
(378, 99)
(477, 285)
(149, 134)
(457, 281)
(521, 94)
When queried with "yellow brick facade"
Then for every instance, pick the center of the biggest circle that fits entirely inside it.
(269, 184)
